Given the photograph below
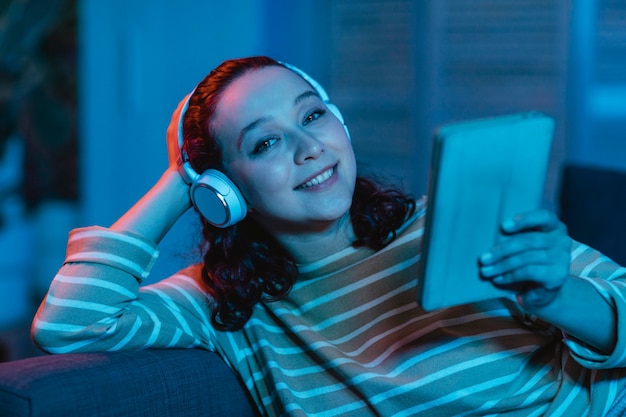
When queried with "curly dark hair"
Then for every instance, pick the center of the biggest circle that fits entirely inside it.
(243, 264)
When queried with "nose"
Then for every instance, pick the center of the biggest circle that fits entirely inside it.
(308, 147)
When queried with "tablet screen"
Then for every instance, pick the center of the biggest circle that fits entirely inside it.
(482, 172)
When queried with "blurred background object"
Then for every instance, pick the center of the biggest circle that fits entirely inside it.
(38, 146)
(38, 103)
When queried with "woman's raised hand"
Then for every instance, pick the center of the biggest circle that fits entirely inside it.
(532, 258)
(173, 147)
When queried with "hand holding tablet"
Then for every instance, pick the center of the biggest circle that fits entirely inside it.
(483, 172)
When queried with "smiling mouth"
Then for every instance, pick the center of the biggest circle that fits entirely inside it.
(324, 176)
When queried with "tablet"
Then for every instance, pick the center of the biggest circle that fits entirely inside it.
(482, 172)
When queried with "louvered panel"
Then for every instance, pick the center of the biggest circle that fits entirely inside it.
(373, 79)
(372, 47)
(476, 58)
(497, 57)
(500, 57)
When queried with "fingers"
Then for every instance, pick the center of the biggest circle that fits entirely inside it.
(522, 262)
(547, 276)
(173, 146)
(544, 220)
(529, 247)
(538, 230)
(532, 258)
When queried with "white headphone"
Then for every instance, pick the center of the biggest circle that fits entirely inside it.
(213, 194)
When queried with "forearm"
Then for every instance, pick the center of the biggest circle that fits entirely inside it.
(581, 312)
(95, 302)
(93, 290)
(157, 211)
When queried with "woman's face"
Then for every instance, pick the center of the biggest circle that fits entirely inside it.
(289, 155)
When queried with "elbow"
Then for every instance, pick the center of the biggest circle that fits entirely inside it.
(39, 338)
(48, 339)
(54, 337)
(38, 335)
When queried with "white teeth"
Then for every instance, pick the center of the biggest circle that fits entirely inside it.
(318, 180)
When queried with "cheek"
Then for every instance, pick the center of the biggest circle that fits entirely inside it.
(344, 146)
(260, 182)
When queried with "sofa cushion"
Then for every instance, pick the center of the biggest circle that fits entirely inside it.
(144, 383)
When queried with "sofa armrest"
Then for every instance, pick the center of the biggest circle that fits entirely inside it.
(592, 202)
(179, 383)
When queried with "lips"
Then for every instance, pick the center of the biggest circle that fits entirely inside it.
(324, 176)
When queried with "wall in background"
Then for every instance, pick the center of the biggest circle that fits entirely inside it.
(597, 85)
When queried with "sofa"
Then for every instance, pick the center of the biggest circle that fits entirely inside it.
(149, 383)
(592, 203)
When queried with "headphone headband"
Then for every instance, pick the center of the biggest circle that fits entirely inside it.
(184, 167)
(316, 86)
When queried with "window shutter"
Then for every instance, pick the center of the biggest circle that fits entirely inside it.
(373, 81)
(402, 68)
(496, 57)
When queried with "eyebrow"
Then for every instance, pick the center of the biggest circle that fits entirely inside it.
(261, 120)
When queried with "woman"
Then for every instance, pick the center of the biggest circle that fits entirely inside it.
(307, 286)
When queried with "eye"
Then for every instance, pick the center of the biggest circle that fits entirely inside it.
(313, 116)
(265, 144)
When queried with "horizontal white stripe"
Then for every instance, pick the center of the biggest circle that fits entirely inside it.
(90, 233)
(447, 372)
(96, 282)
(57, 327)
(338, 362)
(336, 320)
(72, 347)
(307, 268)
(528, 389)
(84, 305)
(103, 256)
(422, 332)
(450, 397)
(349, 289)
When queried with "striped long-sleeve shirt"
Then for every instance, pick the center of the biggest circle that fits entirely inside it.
(349, 340)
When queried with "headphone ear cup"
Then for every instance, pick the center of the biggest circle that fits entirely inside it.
(218, 199)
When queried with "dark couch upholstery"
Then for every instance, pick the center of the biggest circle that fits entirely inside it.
(176, 383)
(592, 204)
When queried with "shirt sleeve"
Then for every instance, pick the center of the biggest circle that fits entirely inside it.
(95, 302)
(609, 280)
